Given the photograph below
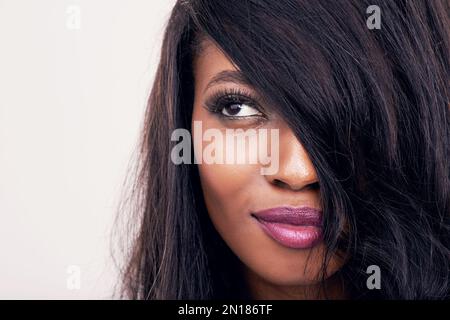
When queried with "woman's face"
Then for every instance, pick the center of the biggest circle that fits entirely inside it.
(280, 247)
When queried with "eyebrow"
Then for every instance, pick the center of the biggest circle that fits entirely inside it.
(234, 76)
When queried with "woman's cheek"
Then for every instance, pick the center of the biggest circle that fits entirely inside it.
(229, 166)
(225, 186)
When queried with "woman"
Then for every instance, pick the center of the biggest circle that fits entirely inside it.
(358, 207)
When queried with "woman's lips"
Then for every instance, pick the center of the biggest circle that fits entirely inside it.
(298, 228)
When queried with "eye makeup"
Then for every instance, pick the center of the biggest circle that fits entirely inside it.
(235, 104)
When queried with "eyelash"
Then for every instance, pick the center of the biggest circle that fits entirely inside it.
(223, 98)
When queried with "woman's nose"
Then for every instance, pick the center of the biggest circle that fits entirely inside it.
(295, 170)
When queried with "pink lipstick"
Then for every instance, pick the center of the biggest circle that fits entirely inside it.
(292, 227)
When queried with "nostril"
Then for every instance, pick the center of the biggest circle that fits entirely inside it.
(284, 185)
(280, 184)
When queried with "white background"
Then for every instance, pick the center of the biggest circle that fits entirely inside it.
(71, 106)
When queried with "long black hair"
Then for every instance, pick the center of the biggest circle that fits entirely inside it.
(371, 107)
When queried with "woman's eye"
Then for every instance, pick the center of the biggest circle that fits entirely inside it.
(240, 110)
(233, 104)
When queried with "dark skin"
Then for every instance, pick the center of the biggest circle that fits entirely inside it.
(233, 191)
